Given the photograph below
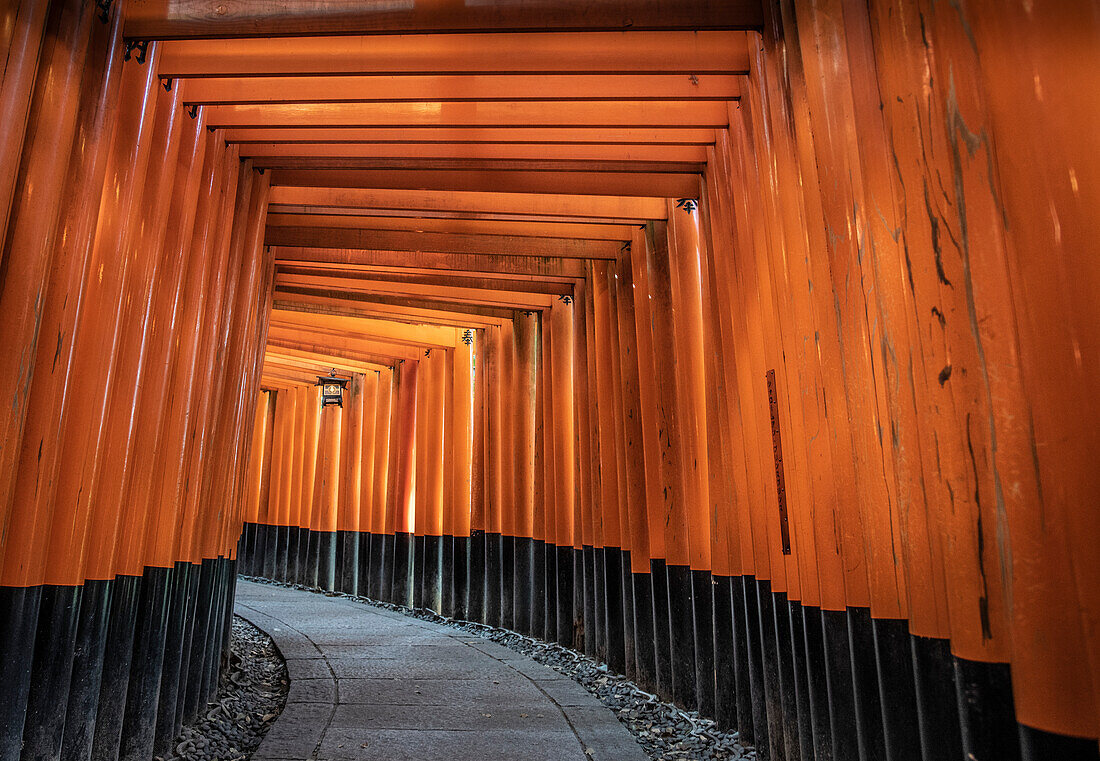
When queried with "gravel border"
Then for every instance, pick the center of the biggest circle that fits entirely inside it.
(251, 695)
(664, 731)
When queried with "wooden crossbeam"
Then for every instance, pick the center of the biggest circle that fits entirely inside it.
(535, 229)
(642, 184)
(543, 204)
(695, 52)
(447, 88)
(399, 240)
(516, 265)
(539, 113)
(182, 19)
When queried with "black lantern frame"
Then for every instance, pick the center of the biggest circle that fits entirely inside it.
(332, 389)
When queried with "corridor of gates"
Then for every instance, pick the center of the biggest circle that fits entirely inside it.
(746, 346)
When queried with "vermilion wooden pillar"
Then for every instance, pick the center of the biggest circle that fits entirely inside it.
(381, 487)
(475, 602)
(636, 492)
(651, 446)
(608, 551)
(36, 479)
(619, 575)
(524, 379)
(561, 366)
(675, 516)
(400, 508)
(462, 475)
(435, 413)
(494, 483)
(24, 25)
(321, 555)
(352, 491)
(30, 237)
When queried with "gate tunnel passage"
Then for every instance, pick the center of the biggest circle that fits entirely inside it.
(749, 346)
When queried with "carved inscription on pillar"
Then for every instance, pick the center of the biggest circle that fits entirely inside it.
(777, 452)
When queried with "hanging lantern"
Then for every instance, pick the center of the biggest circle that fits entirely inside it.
(332, 389)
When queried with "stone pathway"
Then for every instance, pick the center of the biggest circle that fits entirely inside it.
(367, 683)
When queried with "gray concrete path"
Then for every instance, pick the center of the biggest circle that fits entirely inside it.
(367, 683)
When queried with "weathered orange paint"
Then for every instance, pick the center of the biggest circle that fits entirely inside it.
(28, 250)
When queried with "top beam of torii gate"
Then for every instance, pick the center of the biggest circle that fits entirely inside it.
(193, 19)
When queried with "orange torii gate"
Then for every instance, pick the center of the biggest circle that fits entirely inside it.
(749, 347)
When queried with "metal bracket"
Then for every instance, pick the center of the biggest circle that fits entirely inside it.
(142, 47)
(687, 204)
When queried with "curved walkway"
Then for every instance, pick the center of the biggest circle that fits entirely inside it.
(367, 683)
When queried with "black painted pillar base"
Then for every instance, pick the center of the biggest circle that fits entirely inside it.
(861, 644)
(613, 609)
(312, 560)
(538, 588)
(626, 585)
(347, 562)
(578, 598)
(433, 572)
(550, 622)
(401, 589)
(460, 575)
(293, 539)
(147, 670)
(362, 564)
(521, 577)
(702, 598)
(492, 579)
(810, 638)
(682, 635)
(378, 589)
(87, 670)
(165, 730)
(475, 597)
(838, 674)
(268, 540)
(326, 560)
(507, 581)
(117, 659)
(591, 624)
(565, 596)
(419, 556)
(601, 644)
(725, 654)
(897, 691)
(386, 562)
(795, 646)
(644, 653)
(446, 580)
(51, 672)
(988, 716)
(662, 640)
(757, 693)
(937, 710)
